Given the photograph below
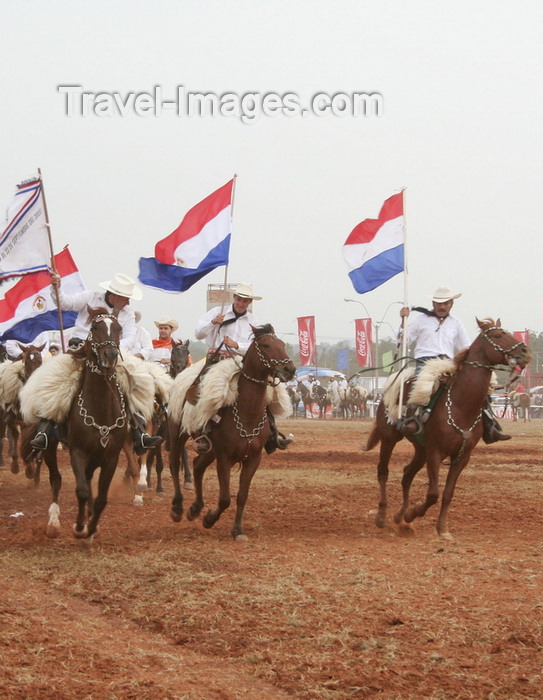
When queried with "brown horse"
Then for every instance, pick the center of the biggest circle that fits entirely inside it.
(239, 436)
(453, 428)
(521, 407)
(13, 379)
(95, 427)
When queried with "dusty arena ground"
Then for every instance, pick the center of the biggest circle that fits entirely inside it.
(319, 603)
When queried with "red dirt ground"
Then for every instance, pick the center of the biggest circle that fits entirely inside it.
(319, 603)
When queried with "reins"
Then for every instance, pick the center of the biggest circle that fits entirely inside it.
(95, 367)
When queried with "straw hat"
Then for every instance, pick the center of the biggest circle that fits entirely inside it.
(123, 286)
(245, 291)
(443, 293)
(167, 321)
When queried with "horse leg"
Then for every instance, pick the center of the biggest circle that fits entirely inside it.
(13, 440)
(448, 492)
(385, 452)
(248, 470)
(223, 474)
(159, 469)
(55, 480)
(176, 445)
(200, 464)
(109, 464)
(433, 462)
(82, 492)
(186, 470)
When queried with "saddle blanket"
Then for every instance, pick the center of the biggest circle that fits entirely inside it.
(217, 388)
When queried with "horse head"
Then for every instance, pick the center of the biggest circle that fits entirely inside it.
(31, 357)
(104, 337)
(179, 358)
(269, 353)
(501, 347)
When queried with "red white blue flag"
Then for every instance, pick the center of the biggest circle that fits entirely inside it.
(374, 250)
(28, 308)
(24, 242)
(199, 245)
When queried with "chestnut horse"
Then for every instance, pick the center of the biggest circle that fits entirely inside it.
(95, 428)
(453, 428)
(239, 436)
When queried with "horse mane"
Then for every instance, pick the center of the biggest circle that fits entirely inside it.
(266, 329)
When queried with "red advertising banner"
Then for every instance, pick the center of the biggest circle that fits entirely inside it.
(363, 340)
(524, 337)
(306, 340)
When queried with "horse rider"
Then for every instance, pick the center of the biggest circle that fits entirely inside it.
(143, 345)
(115, 297)
(163, 345)
(227, 332)
(437, 333)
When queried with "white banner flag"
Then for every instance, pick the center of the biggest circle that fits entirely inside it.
(24, 243)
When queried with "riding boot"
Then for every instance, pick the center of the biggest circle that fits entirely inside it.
(44, 432)
(411, 424)
(142, 440)
(492, 431)
(276, 440)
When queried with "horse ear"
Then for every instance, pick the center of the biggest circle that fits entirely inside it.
(41, 347)
(187, 343)
(499, 323)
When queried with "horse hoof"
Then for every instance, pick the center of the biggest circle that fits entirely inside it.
(241, 538)
(176, 517)
(138, 501)
(14, 469)
(80, 534)
(52, 531)
(142, 488)
(406, 529)
(446, 535)
(188, 485)
(380, 521)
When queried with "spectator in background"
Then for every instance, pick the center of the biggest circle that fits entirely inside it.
(162, 346)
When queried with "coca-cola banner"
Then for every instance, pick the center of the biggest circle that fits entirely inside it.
(306, 339)
(364, 345)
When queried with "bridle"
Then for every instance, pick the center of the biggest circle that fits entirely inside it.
(269, 363)
(95, 346)
(509, 360)
(88, 420)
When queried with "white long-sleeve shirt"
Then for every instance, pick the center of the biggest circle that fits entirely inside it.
(240, 330)
(433, 338)
(80, 301)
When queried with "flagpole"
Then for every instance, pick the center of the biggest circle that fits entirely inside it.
(53, 266)
(405, 319)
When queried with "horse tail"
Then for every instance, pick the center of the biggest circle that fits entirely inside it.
(374, 438)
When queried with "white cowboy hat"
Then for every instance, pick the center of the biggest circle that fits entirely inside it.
(123, 286)
(167, 321)
(443, 293)
(245, 291)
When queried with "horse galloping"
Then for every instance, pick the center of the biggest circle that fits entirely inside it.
(241, 432)
(453, 428)
(95, 425)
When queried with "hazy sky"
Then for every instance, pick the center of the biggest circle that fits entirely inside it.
(460, 85)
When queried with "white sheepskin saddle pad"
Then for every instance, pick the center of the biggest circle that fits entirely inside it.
(217, 388)
(51, 389)
(424, 386)
(12, 378)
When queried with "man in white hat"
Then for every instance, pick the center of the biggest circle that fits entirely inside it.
(115, 298)
(163, 345)
(437, 333)
(229, 332)
(229, 328)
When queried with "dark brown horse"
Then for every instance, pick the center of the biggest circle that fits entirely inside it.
(453, 428)
(239, 436)
(95, 428)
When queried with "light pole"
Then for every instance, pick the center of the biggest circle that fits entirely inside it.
(376, 325)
